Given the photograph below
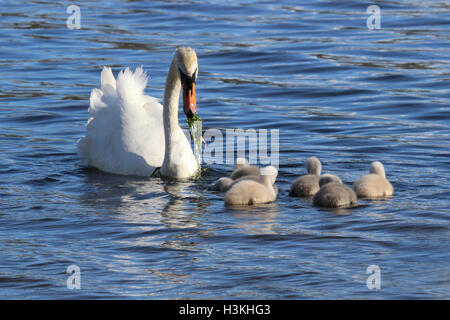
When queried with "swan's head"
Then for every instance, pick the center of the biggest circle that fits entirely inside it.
(377, 168)
(313, 166)
(329, 178)
(186, 60)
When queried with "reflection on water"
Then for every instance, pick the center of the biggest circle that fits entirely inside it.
(260, 219)
(312, 70)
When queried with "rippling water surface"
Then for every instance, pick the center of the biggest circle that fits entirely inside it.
(311, 69)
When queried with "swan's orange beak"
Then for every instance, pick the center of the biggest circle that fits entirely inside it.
(189, 101)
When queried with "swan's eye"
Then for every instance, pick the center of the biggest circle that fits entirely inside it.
(186, 80)
(194, 76)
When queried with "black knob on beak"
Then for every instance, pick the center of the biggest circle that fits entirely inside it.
(189, 113)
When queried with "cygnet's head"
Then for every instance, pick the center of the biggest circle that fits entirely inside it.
(329, 178)
(313, 166)
(186, 61)
(269, 174)
(223, 184)
(377, 168)
(240, 163)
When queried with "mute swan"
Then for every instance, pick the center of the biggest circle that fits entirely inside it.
(374, 184)
(132, 134)
(333, 193)
(307, 185)
(248, 192)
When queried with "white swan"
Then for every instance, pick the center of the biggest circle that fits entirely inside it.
(132, 134)
(333, 193)
(249, 192)
(308, 184)
(374, 184)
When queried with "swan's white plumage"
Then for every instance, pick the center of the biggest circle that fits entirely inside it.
(131, 133)
(125, 133)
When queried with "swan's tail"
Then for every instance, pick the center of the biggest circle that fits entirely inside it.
(107, 79)
(131, 84)
(127, 90)
(120, 105)
(100, 98)
(99, 101)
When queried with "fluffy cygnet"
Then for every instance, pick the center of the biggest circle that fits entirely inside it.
(333, 193)
(307, 185)
(374, 184)
(222, 184)
(243, 168)
(225, 183)
(248, 192)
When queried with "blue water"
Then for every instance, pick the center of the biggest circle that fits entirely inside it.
(311, 69)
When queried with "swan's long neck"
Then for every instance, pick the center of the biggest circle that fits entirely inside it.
(171, 100)
(179, 161)
(170, 117)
